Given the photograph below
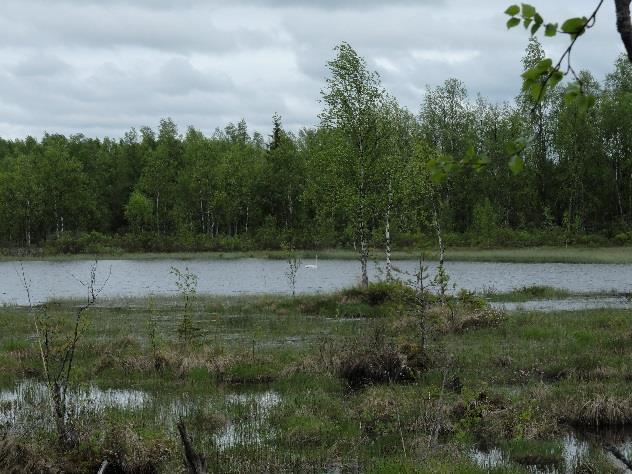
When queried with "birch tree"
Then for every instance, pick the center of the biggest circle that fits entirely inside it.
(353, 100)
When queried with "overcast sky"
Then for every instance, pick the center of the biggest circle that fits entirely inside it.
(99, 67)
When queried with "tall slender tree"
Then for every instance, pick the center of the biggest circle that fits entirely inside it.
(354, 100)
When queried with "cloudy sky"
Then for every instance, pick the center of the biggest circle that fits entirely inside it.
(99, 67)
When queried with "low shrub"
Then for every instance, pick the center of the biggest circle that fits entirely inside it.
(375, 361)
(380, 293)
(471, 300)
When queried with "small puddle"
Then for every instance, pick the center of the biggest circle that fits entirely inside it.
(569, 304)
(241, 418)
(576, 448)
(489, 459)
(250, 414)
(16, 404)
(255, 428)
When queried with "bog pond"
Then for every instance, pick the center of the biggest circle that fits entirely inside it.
(142, 278)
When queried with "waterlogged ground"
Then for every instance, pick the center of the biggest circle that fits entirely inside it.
(140, 278)
(275, 384)
(252, 426)
(565, 304)
(23, 407)
(566, 454)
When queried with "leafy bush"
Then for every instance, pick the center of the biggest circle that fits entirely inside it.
(471, 299)
(379, 293)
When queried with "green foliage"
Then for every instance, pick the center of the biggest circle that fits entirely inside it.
(139, 211)
(575, 26)
(484, 222)
(561, 148)
(530, 18)
(540, 79)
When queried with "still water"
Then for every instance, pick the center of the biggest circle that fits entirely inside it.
(138, 278)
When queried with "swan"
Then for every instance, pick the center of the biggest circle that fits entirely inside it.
(314, 266)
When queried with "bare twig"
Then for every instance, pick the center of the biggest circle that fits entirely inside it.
(58, 381)
(38, 333)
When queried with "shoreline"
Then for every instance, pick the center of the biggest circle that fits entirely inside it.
(578, 255)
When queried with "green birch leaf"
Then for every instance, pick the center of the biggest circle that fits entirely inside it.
(528, 11)
(513, 10)
(574, 26)
(513, 22)
(550, 29)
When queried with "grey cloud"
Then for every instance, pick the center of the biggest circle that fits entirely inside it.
(40, 65)
(312, 4)
(86, 66)
(120, 26)
(178, 76)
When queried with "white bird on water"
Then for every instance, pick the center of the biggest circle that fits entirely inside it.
(314, 266)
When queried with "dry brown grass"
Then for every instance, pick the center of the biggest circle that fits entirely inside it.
(596, 410)
(17, 457)
(374, 360)
(127, 452)
(602, 373)
(459, 319)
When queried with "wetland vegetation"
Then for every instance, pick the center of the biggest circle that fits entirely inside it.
(324, 382)
(385, 377)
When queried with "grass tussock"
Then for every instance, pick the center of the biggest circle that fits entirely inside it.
(127, 452)
(599, 410)
(546, 455)
(458, 319)
(17, 457)
(376, 360)
(124, 450)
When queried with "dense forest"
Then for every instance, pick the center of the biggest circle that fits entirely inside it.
(361, 175)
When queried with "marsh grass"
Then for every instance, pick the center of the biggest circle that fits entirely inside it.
(529, 293)
(522, 379)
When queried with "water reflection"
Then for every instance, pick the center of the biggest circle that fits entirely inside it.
(489, 459)
(16, 403)
(26, 406)
(567, 304)
(576, 447)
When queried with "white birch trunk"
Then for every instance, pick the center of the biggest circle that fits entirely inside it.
(387, 233)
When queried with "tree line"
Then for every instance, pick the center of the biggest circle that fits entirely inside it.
(362, 178)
